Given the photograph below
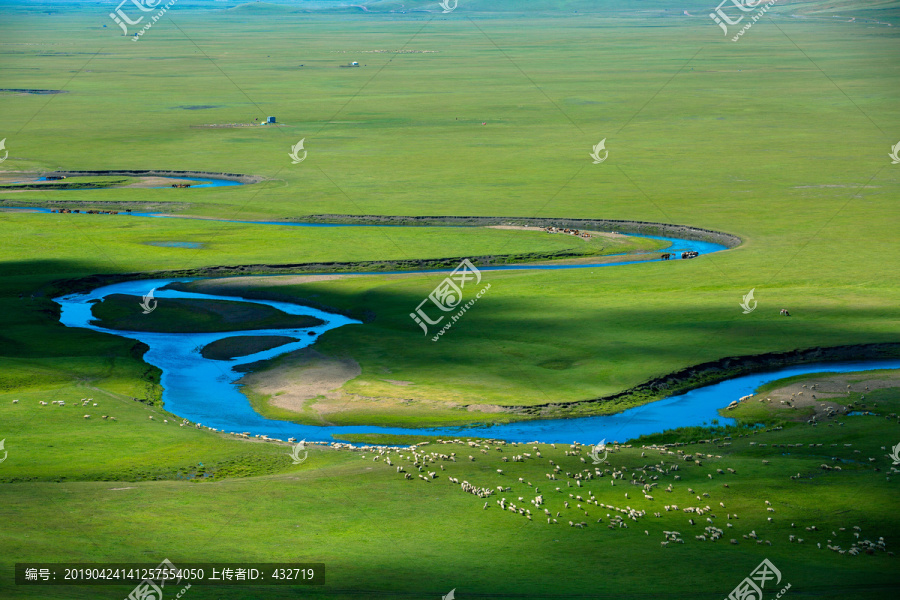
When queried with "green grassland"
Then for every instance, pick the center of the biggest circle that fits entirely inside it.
(781, 139)
(188, 494)
(42, 246)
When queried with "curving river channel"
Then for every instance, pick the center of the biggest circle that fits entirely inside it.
(205, 391)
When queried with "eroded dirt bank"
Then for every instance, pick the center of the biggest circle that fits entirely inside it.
(705, 374)
(606, 225)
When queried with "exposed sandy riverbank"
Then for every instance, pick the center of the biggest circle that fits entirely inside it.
(303, 376)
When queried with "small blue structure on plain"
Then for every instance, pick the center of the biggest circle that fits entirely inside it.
(270, 120)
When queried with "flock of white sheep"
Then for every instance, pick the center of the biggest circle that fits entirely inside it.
(579, 506)
(645, 478)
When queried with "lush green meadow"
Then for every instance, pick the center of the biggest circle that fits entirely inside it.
(376, 531)
(781, 139)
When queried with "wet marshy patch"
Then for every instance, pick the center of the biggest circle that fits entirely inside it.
(558, 364)
(28, 91)
(176, 244)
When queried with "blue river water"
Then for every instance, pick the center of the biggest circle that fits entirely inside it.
(205, 391)
(208, 182)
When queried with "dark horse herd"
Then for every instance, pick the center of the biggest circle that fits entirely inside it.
(685, 255)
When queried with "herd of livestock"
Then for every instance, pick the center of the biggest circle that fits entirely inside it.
(87, 212)
(582, 469)
(578, 504)
(567, 231)
(583, 234)
(684, 255)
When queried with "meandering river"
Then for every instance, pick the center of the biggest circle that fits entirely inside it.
(205, 391)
